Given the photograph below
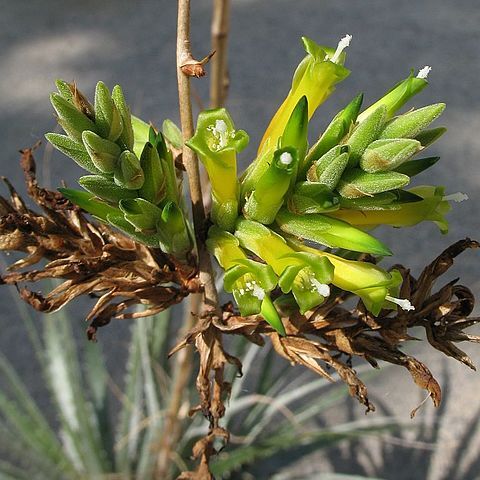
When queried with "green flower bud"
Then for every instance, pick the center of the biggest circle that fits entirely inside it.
(365, 133)
(172, 133)
(153, 188)
(142, 214)
(414, 167)
(107, 116)
(325, 161)
(395, 98)
(427, 137)
(356, 183)
(70, 118)
(128, 172)
(217, 142)
(312, 197)
(90, 203)
(331, 174)
(76, 151)
(336, 130)
(126, 138)
(410, 124)
(104, 153)
(266, 200)
(104, 188)
(384, 155)
(330, 232)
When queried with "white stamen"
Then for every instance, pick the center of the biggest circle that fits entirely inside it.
(342, 45)
(220, 131)
(242, 291)
(258, 292)
(403, 303)
(322, 288)
(456, 197)
(423, 72)
(286, 158)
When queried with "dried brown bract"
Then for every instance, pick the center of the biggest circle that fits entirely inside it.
(91, 259)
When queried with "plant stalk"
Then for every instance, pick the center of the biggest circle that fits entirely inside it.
(198, 304)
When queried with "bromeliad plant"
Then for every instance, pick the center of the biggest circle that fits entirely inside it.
(292, 234)
(270, 225)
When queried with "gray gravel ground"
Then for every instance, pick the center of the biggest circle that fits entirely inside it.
(132, 43)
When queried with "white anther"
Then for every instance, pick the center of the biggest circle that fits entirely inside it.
(403, 303)
(456, 197)
(322, 288)
(220, 131)
(286, 158)
(423, 72)
(258, 292)
(342, 45)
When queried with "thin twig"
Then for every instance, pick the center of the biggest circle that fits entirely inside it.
(218, 70)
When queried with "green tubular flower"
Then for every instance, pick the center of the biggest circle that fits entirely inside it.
(266, 200)
(248, 280)
(321, 229)
(376, 287)
(315, 78)
(301, 274)
(217, 142)
(395, 98)
(336, 130)
(432, 207)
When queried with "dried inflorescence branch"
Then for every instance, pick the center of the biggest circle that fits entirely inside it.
(91, 259)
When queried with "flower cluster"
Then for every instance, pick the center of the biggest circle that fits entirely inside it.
(295, 222)
(293, 225)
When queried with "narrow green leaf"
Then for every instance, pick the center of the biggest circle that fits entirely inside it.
(76, 151)
(105, 189)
